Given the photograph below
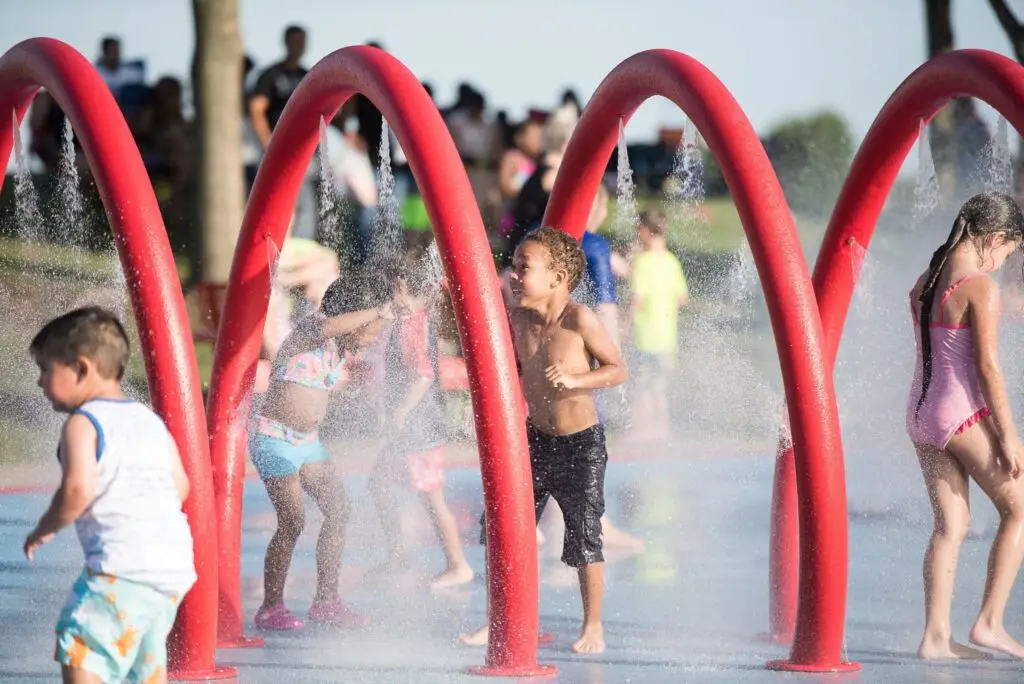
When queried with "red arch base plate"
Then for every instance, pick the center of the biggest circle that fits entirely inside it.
(788, 666)
(214, 675)
(243, 642)
(529, 671)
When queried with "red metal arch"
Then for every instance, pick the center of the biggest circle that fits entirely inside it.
(791, 305)
(155, 292)
(981, 74)
(500, 422)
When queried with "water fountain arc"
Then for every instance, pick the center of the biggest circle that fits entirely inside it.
(786, 281)
(982, 74)
(156, 296)
(462, 244)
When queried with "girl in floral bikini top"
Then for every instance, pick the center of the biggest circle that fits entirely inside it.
(285, 447)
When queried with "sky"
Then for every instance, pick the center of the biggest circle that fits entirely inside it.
(780, 58)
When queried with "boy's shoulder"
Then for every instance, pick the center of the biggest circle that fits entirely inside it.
(578, 316)
(113, 412)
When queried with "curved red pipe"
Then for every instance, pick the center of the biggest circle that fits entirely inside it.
(981, 74)
(155, 290)
(500, 421)
(794, 314)
(987, 76)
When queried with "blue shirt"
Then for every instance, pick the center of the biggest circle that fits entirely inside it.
(599, 268)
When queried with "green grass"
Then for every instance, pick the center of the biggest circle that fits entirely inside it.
(721, 233)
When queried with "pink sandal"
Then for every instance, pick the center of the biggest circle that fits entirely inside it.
(277, 618)
(335, 614)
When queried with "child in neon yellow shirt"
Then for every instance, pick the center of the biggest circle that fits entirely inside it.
(659, 292)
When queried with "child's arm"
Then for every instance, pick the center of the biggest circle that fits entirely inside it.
(683, 287)
(415, 347)
(417, 390)
(985, 309)
(610, 372)
(181, 482)
(344, 324)
(78, 445)
(314, 329)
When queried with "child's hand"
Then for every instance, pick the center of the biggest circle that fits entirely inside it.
(559, 378)
(34, 540)
(1013, 458)
(387, 311)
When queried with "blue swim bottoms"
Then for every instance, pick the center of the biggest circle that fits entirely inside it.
(116, 629)
(274, 457)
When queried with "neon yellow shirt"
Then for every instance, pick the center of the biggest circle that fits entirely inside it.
(658, 283)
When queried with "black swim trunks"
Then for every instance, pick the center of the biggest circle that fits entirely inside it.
(570, 468)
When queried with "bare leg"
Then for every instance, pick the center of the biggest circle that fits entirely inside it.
(977, 449)
(75, 675)
(614, 538)
(592, 591)
(321, 482)
(458, 570)
(381, 491)
(286, 496)
(477, 638)
(947, 486)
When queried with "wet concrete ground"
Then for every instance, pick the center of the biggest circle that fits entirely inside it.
(688, 609)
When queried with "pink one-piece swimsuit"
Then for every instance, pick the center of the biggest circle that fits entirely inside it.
(954, 401)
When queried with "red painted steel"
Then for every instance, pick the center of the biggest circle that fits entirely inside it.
(462, 243)
(156, 296)
(985, 75)
(779, 258)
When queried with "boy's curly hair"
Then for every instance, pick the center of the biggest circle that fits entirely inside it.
(565, 252)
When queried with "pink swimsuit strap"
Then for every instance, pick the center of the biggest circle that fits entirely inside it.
(947, 293)
(942, 302)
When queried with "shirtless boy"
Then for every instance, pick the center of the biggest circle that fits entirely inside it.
(557, 342)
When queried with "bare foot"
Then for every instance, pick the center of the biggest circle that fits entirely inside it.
(591, 640)
(477, 638)
(997, 640)
(614, 538)
(453, 577)
(389, 568)
(947, 649)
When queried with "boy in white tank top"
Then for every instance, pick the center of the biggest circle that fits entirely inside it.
(122, 486)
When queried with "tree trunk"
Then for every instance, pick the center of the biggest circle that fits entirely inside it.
(217, 92)
(942, 133)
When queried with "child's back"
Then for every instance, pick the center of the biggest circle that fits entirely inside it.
(658, 287)
(134, 528)
(411, 357)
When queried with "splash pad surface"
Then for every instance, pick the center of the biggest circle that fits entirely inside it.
(689, 608)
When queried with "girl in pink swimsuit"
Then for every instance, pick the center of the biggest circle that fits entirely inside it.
(959, 418)
(285, 447)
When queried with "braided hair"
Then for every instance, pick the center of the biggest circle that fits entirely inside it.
(985, 214)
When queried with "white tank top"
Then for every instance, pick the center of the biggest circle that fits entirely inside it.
(134, 527)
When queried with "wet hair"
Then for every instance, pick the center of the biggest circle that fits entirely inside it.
(357, 293)
(565, 252)
(91, 332)
(982, 216)
(411, 269)
(655, 221)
